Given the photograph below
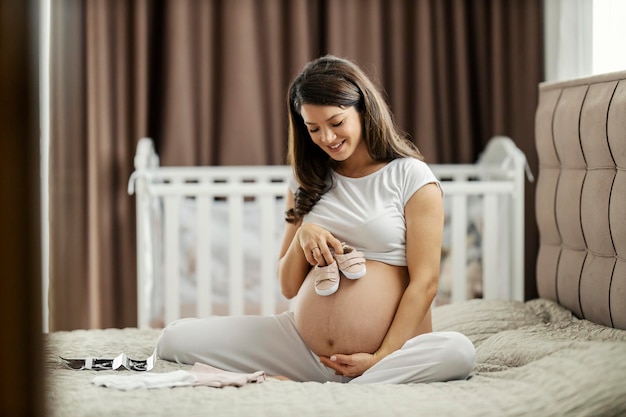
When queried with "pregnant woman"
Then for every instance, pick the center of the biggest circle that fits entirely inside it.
(359, 183)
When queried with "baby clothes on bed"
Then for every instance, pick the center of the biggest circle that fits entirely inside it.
(199, 375)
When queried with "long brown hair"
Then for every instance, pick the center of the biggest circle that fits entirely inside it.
(333, 81)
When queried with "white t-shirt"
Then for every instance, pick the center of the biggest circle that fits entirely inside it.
(367, 213)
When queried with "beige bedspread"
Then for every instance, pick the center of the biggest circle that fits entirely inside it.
(533, 359)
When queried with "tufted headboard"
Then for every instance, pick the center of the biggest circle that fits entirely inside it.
(580, 133)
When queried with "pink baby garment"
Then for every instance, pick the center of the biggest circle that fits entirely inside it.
(210, 376)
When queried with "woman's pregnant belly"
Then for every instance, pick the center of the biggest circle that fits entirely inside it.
(355, 318)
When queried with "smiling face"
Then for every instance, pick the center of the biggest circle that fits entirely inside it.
(336, 130)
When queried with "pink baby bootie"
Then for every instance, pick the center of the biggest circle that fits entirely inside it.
(351, 262)
(326, 279)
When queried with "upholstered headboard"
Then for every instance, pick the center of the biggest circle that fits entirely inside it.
(581, 196)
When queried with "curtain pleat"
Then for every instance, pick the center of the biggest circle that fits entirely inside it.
(207, 80)
(96, 119)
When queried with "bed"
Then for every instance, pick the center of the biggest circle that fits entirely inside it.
(560, 354)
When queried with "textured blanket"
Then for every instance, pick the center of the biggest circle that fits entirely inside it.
(533, 359)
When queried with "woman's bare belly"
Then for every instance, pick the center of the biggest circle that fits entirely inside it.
(354, 319)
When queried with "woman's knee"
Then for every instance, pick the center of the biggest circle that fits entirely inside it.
(459, 355)
(172, 342)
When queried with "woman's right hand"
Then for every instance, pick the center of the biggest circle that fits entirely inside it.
(316, 242)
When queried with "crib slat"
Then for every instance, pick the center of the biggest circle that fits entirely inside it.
(204, 289)
(517, 240)
(459, 247)
(490, 246)
(171, 259)
(145, 252)
(268, 254)
(235, 255)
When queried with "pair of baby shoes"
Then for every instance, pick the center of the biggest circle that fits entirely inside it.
(351, 263)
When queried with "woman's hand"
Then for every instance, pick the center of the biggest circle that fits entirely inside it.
(350, 365)
(316, 242)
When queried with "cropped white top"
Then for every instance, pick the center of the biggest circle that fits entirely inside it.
(367, 213)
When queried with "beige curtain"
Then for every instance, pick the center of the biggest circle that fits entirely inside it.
(99, 96)
(207, 80)
(227, 66)
(455, 72)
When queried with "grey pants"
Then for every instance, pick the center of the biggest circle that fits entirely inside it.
(273, 344)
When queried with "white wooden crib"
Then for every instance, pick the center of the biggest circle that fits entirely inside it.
(208, 237)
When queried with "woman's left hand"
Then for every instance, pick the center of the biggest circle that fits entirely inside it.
(350, 365)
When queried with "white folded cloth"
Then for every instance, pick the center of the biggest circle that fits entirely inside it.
(146, 380)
